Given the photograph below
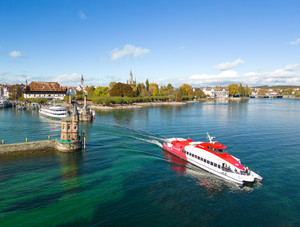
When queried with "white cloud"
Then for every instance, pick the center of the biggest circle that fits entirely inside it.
(129, 50)
(288, 75)
(229, 65)
(295, 42)
(73, 78)
(15, 54)
(82, 16)
(2, 73)
(8, 78)
(290, 67)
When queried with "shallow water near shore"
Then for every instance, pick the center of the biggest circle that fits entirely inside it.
(125, 179)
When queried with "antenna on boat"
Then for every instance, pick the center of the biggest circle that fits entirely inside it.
(211, 138)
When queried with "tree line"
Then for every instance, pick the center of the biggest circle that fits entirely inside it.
(140, 92)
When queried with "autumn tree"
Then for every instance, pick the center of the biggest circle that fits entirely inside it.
(111, 84)
(15, 92)
(152, 87)
(233, 89)
(186, 89)
(156, 92)
(123, 90)
(248, 91)
(262, 91)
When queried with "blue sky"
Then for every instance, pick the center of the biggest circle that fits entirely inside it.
(203, 43)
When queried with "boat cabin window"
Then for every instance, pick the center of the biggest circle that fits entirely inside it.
(222, 151)
(219, 151)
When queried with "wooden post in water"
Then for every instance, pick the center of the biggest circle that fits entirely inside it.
(84, 141)
(2, 141)
(26, 139)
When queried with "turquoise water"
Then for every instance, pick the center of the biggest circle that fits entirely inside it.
(125, 179)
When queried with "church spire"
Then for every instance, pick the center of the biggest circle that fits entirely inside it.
(82, 81)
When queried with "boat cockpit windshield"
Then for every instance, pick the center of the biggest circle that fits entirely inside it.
(216, 150)
(222, 151)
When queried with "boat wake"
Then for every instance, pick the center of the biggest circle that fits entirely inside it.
(149, 141)
(144, 136)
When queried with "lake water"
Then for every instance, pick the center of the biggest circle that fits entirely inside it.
(125, 179)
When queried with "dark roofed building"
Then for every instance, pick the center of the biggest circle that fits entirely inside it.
(48, 90)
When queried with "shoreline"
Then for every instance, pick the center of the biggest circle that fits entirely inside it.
(138, 105)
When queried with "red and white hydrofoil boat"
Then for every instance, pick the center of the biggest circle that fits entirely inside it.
(212, 157)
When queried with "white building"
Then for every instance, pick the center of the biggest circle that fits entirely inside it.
(216, 93)
(4, 91)
(47, 90)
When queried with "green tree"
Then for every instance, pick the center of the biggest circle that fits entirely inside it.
(170, 87)
(241, 90)
(147, 85)
(297, 94)
(248, 91)
(101, 91)
(233, 89)
(139, 89)
(123, 90)
(199, 93)
(90, 90)
(156, 92)
(288, 91)
(15, 92)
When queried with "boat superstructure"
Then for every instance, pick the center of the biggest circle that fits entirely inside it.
(212, 157)
(3, 102)
(57, 111)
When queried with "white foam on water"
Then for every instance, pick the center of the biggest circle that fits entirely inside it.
(149, 141)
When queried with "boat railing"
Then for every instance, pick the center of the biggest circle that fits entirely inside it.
(227, 169)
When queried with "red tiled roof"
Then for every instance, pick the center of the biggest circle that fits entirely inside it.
(45, 86)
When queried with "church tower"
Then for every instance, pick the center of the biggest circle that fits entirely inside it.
(131, 81)
(82, 81)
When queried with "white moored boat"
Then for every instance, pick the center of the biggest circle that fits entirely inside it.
(212, 157)
(3, 102)
(57, 112)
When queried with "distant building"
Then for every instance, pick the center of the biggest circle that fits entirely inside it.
(131, 81)
(4, 91)
(81, 87)
(209, 92)
(220, 93)
(48, 90)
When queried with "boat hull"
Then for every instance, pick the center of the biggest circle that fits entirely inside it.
(213, 168)
(55, 112)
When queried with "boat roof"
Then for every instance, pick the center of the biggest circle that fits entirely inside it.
(215, 145)
(191, 142)
(175, 139)
(57, 107)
